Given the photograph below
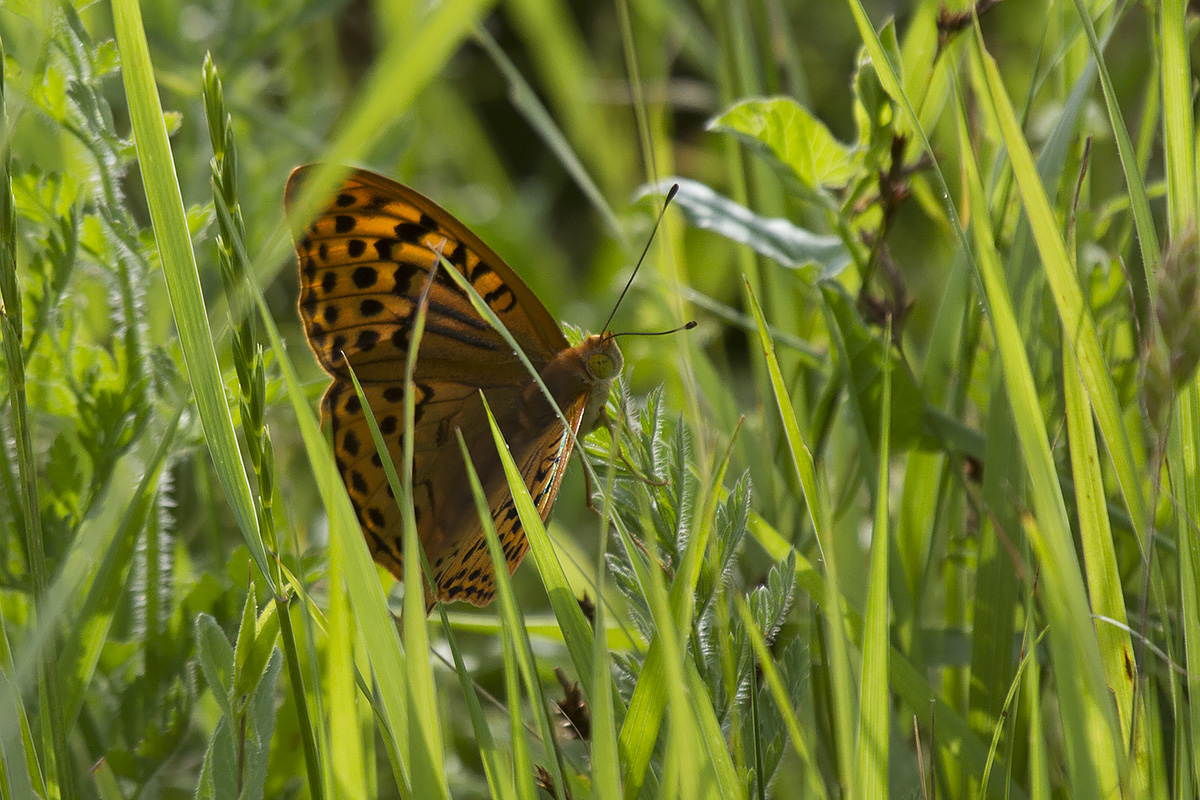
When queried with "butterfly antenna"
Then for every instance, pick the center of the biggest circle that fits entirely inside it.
(687, 326)
(670, 196)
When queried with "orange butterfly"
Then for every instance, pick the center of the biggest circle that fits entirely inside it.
(364, 261)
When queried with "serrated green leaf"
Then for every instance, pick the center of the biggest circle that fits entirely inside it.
(218, 772)
(793, 137)
(260, 724)
(216, 659)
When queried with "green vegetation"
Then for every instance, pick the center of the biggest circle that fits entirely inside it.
(913, 512)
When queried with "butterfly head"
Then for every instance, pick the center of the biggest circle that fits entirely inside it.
(602, 358)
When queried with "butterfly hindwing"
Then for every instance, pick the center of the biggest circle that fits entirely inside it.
(467, 574)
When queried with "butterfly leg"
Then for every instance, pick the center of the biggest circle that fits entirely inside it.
(587, 484)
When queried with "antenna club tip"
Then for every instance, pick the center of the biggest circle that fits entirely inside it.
(674, 190)
(691, 324)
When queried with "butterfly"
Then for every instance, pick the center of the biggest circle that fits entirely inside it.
(364, 261)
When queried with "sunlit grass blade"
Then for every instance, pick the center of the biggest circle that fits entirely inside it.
(1039, 761)
(521, 774)
(1102, 570)
(1178, 131)
(1093, 756)
(1135, 184)
(1029, 649)
(361, 579)
(684, 766)
(1179, 150)
(1124, 446)
(606, 765)
(346, 775)
(545, 626)
(425, 728)
(1184, 462)
(499, 779)
(514, 628)
(179, 271)
(576, 632)
(802, 461)
(639, 731)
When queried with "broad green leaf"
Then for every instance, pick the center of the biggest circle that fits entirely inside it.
(793, 137)
(817, 256)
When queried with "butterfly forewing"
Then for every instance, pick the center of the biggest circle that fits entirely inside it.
(364, 260)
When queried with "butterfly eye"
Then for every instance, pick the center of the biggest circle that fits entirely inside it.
(600, 366)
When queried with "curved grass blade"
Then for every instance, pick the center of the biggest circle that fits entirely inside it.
(1076, 657)
(362, 580)
(181, 276)
(576, 632)
(425, 728)
(516, 639)
(814, 498)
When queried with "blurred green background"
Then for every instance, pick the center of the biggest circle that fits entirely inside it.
(551, 128)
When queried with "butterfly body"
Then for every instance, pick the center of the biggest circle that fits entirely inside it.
(364, 261)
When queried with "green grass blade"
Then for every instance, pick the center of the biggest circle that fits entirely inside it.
(684, 766)
(1039, 762)
(362, 580)
(831, 606)
(1103, 576)
(576, 631)
(1178, 132)
(606, 762)
(874, 719)
(1059, 269)
(514, 627)
(1092, 755)
(425, 728)
(179, 270)
(639, 731)
(346, 776)
(1139, 201)
(498, 781)
(955, 737)
(1179, 149)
